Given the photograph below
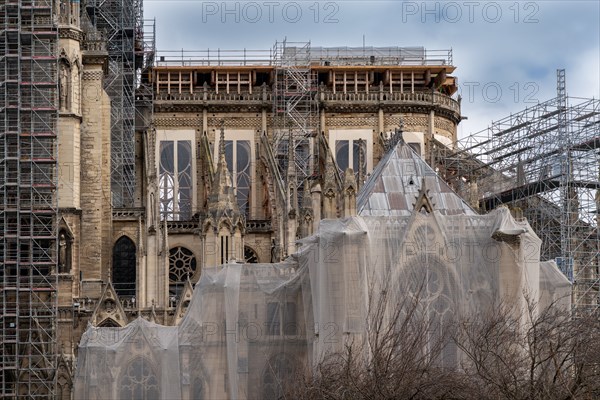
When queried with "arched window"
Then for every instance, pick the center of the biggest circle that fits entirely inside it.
(139, 381)
(124, 267)
(436, 287)
(250, 256)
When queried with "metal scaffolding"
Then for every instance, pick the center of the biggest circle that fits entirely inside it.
(28, 204)
(122, 25)
(295, 112)
(145, 52)
(542, 162)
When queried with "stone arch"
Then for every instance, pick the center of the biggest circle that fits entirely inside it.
(109, 323)
(124, 266)
(225, 223)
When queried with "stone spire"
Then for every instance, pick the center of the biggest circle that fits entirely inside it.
(292, 195)
(222, 196)
(306, 212)
(330, 188)
(349, 193)
(223, 225)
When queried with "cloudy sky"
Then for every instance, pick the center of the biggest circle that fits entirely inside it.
(506, 52)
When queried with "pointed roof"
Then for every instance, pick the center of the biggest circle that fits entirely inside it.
(184, 302)
(396, 182)
(109, 308)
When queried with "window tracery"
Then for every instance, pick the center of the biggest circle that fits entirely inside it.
(182, 264)
(250, 256)
(139, 381)
(175, 179)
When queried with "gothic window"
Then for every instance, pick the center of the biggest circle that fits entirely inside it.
(224, 259)
(250, 256)
(349, 147)
(281, 318)
(347, 154)
(182, 266)
(175, 176)
(435, 285)
(64, 252)
(124, 267)
(279, 370)
(239, 156)
(139, 381)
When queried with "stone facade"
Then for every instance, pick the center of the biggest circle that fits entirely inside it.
(209, 189)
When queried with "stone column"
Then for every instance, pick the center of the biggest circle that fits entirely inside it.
(95, 175)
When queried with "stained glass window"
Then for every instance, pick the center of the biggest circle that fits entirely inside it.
(175, 179)
(238, 156)
(347, 154)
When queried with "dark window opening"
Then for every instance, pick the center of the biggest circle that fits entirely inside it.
(262, 77)
(323, 78)
(124, 267)
(202, 78)
(377, 78)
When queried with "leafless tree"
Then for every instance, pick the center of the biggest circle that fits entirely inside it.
(397, 358)
(534, 354)
(505, 352)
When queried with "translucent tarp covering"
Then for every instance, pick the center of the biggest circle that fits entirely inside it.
(396, 182)
(251, 327)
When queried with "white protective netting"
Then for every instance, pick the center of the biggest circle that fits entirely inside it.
(250, 327)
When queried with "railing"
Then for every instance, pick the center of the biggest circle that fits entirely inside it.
(128, 213)
(182, 226)
(258, 226)
(266, 96)
(213, 96)
(216, 57)
(314, 55)
(377, 96)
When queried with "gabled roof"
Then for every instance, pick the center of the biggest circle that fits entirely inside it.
(394, 185)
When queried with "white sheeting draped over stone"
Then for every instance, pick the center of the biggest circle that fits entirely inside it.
(249, 326)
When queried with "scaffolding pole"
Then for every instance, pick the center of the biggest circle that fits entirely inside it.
(544, 163)
(295, 110)
(28, 203)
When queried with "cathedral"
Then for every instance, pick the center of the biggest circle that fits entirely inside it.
(262, 191)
